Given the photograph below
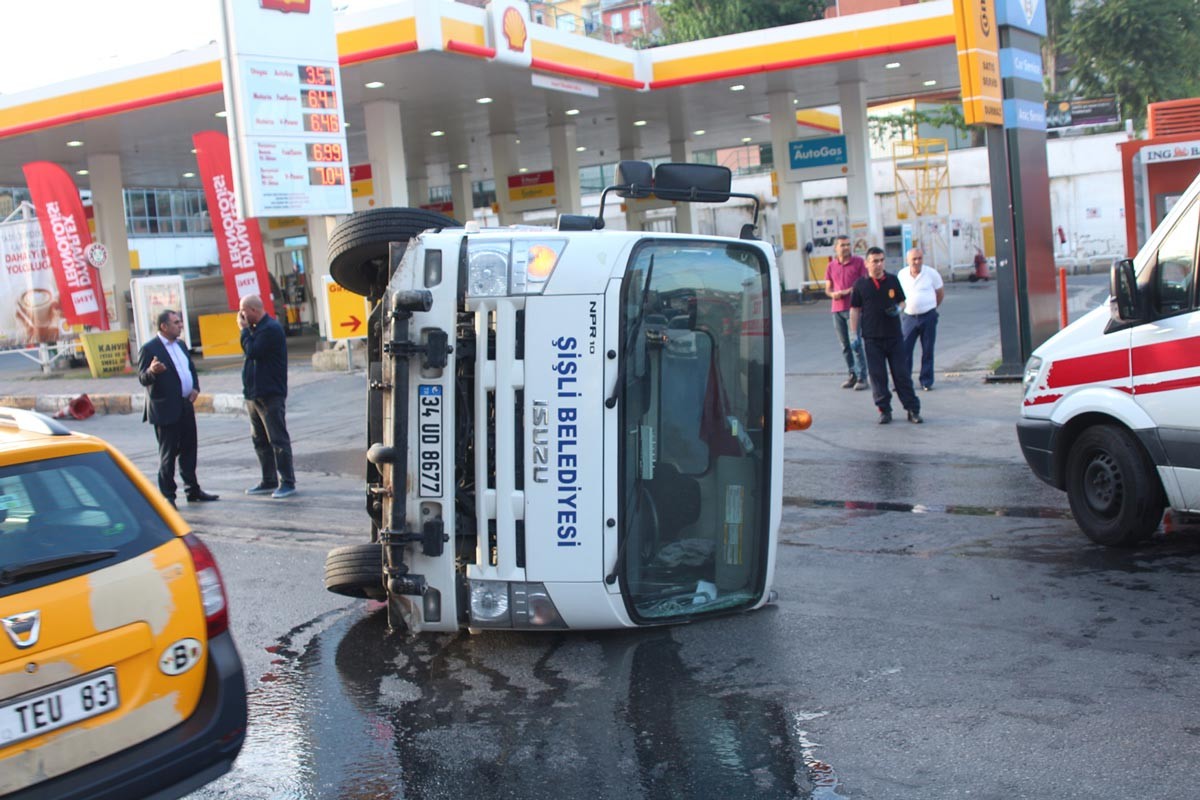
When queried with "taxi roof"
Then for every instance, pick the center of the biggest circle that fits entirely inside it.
(21, 446)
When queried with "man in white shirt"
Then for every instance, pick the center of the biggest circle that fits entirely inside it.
(923, 294)
(166, 370)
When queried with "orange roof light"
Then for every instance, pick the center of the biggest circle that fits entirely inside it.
(796, 419)
(542, 259)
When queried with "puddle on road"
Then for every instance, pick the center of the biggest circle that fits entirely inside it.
(350, 710)
(1029, 512)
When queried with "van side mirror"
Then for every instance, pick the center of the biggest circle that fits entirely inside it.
(1122, 285)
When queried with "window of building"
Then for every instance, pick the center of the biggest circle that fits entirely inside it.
(635, 18)
(483, 193)
(10, 198)
(166, 212)
(617, 22)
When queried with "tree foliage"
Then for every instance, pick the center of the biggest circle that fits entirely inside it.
(906, 123)
(1142, 51)
(689, 20)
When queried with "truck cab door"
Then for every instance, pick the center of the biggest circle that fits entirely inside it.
(1165, 352)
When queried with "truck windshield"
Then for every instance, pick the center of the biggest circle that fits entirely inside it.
(694, 404)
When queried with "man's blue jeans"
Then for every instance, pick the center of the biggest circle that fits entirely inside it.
(921, 327)
(856, 361)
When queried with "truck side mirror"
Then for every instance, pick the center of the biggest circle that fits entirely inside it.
(1123, 287)
(635, 179)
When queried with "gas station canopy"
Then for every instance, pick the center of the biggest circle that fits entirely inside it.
(437, 60)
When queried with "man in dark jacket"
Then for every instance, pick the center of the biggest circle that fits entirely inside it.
(166, 370)
(875, 305)
(264, 385)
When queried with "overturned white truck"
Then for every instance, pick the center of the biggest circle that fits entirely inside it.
(571, 427)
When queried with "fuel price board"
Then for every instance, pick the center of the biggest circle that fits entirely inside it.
(287, 114)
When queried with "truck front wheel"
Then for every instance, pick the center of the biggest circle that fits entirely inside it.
(1113, 488)
(356, 571)
(358, 246)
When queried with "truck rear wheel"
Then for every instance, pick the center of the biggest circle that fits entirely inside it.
(356, 571)
(358, 247)
(1113, 488)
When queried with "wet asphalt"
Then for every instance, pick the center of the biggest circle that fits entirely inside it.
(942, 628)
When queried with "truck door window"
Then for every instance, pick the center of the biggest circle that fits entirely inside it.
(695, 434)
(1175, 275)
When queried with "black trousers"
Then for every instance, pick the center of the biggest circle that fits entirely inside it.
(884, 355)
(272, 445)
(177, 442)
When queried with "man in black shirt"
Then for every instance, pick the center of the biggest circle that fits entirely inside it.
(264, 385)
(875, 306)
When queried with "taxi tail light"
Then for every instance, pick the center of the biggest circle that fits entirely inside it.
(212, 588)
(796, 419)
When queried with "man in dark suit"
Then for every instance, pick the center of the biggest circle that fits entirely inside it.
(166, 370)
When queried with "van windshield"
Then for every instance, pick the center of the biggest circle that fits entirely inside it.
(694, 402)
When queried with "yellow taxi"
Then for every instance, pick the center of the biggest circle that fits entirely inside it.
(118, 674)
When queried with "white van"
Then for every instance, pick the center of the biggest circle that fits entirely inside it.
(1111, 412)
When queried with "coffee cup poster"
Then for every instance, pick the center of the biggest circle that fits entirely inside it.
(30, 312)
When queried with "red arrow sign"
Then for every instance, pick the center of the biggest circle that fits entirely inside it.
(352, 324)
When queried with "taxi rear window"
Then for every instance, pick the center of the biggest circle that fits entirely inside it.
(66, 516)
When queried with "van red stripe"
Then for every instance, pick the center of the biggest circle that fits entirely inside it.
(1166, 356)
(1167, 386)
(1040, 401)
(1088, 369)
(1115, 364)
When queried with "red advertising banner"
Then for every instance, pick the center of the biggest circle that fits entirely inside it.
(239, 245)
(65, 232)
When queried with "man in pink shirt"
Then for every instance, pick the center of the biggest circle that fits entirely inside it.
(840, 276)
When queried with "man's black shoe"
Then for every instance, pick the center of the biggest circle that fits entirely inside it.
(202, 497)
(915, 417)
(849, 384)
(885, 417)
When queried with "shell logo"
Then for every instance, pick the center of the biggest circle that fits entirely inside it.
(286, 6)
(513, 27)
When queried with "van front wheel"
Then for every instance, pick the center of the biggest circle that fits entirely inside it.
(1113, 488)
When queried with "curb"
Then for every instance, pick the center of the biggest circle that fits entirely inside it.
(206, 403)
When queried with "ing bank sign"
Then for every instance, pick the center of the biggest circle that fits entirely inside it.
(509, 32)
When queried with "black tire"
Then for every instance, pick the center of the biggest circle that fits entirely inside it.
(356, 571)
(1113, 488)
(358, 248)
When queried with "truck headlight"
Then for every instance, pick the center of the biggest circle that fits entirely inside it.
(487, 269)
(533, 608)
(1033, 368)
(511, 266)
(500, 604)
(489, 603)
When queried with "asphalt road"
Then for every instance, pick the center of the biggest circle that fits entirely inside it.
(942, 630)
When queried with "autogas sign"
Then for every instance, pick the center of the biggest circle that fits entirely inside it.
(824, 151)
